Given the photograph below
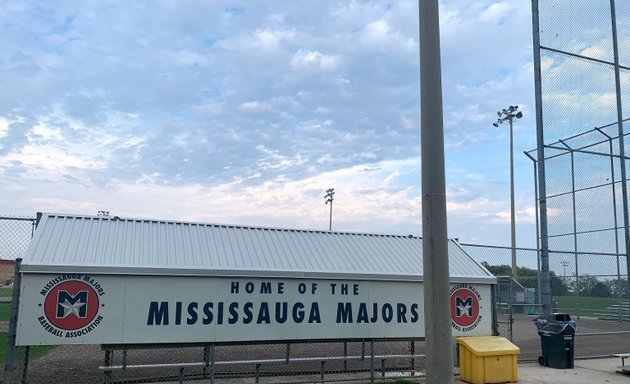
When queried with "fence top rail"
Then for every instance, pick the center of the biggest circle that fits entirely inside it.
(17, 218)
(538, 250)
(260, 361)
(123, 347)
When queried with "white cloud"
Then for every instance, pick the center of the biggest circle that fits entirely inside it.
(313, 60)
(247, 114)
(4, 128)
(380, 36)
(496, 12)
(270, 38)
(256, 106)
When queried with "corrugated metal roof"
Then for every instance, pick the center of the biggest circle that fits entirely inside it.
(113, 245)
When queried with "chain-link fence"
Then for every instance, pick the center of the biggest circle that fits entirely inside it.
(361, 361)
(594, 294)
(583, 98)
(15, 235)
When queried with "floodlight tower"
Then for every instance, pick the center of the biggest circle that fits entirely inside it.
(329, 199)
(508, 115)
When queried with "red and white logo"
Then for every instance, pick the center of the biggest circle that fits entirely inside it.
(464, 307)
(71, 305)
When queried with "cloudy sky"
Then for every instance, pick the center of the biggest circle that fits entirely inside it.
(246, 112)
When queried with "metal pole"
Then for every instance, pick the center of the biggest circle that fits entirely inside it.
(542, 186)
(575, 239)
(538, 294)
(512, 212)
(372, 361)
(622, 151)
(9, 358)
(330, 192)
(510, 309)
(437, 314)
(330, 220)
(26, 352)
(616, 222)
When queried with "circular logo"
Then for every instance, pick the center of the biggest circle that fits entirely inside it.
(464, 307)
(71, 305)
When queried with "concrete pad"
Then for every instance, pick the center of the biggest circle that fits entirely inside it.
(585, 371)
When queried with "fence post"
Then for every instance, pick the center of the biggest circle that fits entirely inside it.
(206, 360)
(108, 363)
(212, 366)
(25, 356)
(372, 361)
(413, 360)
(9, 360)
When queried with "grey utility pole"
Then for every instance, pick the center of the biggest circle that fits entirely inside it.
(437, 311)
(329, 199)
(508, 115)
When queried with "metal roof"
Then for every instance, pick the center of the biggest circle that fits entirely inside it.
(113, 245)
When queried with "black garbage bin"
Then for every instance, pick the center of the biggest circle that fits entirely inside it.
(557, 335)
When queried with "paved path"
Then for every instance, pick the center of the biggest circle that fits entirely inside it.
(585, 371)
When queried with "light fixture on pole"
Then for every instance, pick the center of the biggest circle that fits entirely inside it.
(508, 115)
(329, 199)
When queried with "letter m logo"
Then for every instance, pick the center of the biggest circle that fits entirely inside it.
(68, 304)
(464, 306)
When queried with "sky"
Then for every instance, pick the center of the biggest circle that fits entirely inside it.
(245, 113)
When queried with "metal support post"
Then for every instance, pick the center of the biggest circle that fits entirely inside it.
(413, 360)
(545, 282)
(575, 236)
(9, 359)
(372, 368)
(622, 150)
(108, 363)
(510, 309)
(212, 366)
(206, 360)
(26, 351)
(512, 209)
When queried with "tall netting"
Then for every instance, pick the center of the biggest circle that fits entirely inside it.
(583, 88)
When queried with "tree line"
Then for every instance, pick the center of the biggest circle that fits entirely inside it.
(586, 285)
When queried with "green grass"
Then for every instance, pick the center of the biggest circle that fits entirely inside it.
(589, 306)
(35, 351)
(6, 292)
(5, 311)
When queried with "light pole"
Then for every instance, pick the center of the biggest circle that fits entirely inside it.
(329, 199)
(508, 115)
(564, 264)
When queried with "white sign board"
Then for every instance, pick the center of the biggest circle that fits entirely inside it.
(112, 309)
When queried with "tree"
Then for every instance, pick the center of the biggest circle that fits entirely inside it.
(600, 289)
(618, 287)
(528, 278)
(588, 285)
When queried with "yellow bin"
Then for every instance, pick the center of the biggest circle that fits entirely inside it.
(487, 359)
